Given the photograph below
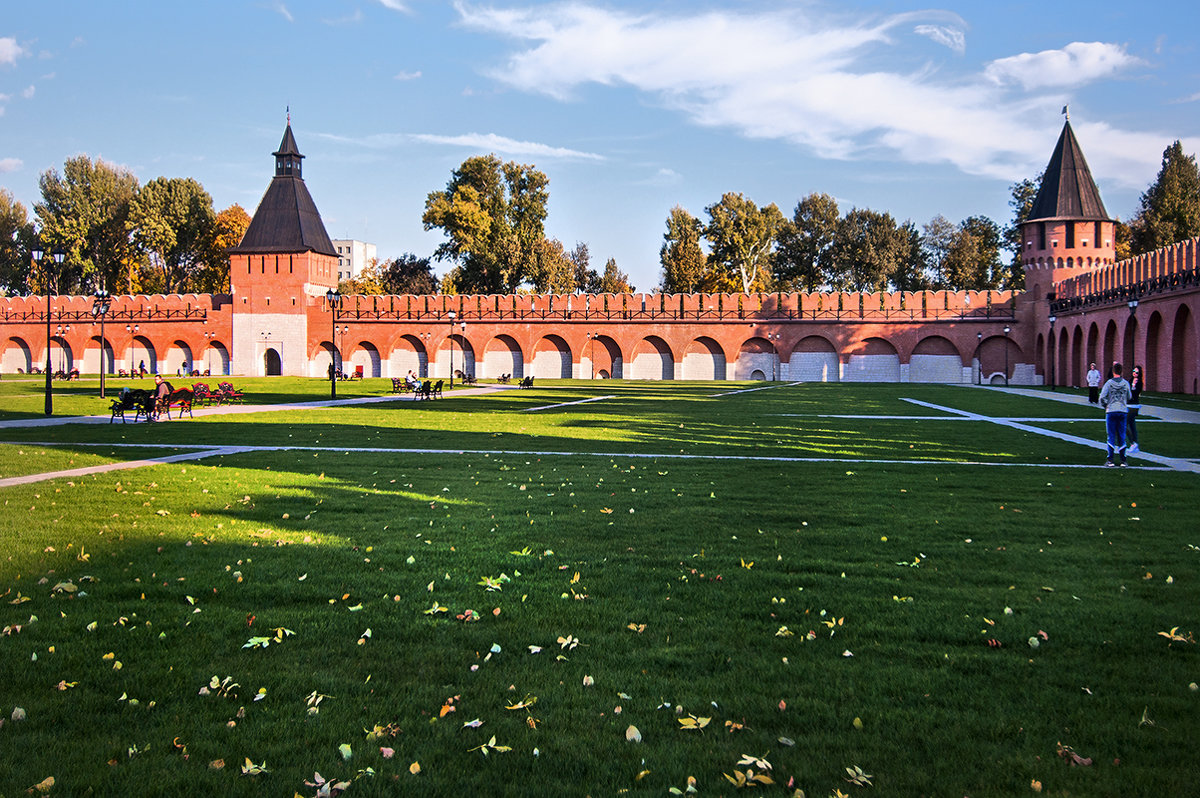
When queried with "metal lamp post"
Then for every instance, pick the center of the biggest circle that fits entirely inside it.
(1007, 330)
(462, 328)
(978, 344)
(592, 351)
(1053, 350)
(59, 332)
(100, 308)
(333, 298)
(451, 314)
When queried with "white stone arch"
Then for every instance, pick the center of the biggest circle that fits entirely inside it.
(814, 360)
(142, 351)
(409, 354)
(366, 355)
(935, 359)
(704, 359)
(177, 354)
(757, 360)
(551, 358)
(502, 355)
(17, 356)
(878, 361)
(652, 360)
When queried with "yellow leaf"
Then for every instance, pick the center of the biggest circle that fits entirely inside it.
(414, 768)
(641, 775)
(44, 786)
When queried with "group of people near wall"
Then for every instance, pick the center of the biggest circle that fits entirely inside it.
(1121, 400)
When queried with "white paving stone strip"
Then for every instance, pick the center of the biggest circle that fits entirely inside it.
(568, 404)
(101, 469)
(752, 390)
(233, 450)
(1172, 463)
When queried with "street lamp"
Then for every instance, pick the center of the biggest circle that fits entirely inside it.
(59, 332)
(978, 344)
(1053, 350)
(462, 327)
(58, 256)
(451, 349)
(1133, 303)
(100, 308)
(592, 351)
(1007, 329)
(334, 299)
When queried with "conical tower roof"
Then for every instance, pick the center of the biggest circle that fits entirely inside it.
(1068, 190)
(287, 219)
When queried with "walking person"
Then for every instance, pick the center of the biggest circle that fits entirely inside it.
(1114, 398)
(1136, 381)
(1093, 384)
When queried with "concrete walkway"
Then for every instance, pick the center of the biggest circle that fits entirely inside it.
(227, 410)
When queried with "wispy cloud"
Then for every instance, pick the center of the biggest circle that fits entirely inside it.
(506, 146)
(10, 164)
(349, 19)
(483, 142)
(1074, 65)
(842, 87)
(10, 51)
(953, 38)
(394, 5)
(282, 10)
(408, 75)
(29, 92)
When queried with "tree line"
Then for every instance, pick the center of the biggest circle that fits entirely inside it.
(161, 237)
(166, 237)
(740, 246)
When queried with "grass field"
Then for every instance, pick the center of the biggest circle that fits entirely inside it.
(490, 595)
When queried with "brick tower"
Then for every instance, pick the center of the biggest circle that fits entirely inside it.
(1068, 232)
(284, 262)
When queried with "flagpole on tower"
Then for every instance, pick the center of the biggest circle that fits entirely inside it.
(1066, 112)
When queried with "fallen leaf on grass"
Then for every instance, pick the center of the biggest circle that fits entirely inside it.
(251, 769)
(1068, 754)
(858, 778)
(44, 786)
(693, 723)
(414, 768)
(633, 735)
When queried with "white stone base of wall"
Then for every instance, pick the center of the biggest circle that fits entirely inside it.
(872, 368)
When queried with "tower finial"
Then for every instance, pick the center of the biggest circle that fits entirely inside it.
(1067, 112)
(289, 114)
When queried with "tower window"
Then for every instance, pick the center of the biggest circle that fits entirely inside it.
(1070, 235)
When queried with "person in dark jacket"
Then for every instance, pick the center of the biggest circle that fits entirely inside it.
(1114, 398)
(1136, 382)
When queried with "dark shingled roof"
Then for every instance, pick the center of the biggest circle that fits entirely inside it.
(287, 219)
(1068, 190)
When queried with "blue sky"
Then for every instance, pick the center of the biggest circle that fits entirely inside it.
(630, 108)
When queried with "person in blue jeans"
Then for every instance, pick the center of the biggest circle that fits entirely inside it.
(1136, 381)
(1114, 398)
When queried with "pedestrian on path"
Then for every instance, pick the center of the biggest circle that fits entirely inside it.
(1136, 381)
(1093, 384)
(1114, 398)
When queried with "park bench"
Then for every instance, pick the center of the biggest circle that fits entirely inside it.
(203, 395)
(527, 382)
(437, 390)
(141, 402)
(181, 398)
(229, 394)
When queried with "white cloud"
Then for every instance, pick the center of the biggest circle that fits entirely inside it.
(283, 11)
(840, 86)
(506, 146)
(953, 38)
(10, 164)
(408, 75)
(10, 51)
(1074, 65)
(29, 92)
(394, 5)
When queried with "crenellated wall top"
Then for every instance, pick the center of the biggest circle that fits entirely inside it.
(1180, 257)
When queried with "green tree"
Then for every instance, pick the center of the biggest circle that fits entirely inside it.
(409, 274)
(682, 260)
(86, 212)
(937, 241)
(909, 272)
(741, 239)
(973, 262)
(228, 229)
(1023, 194)
(1169, 211)
(803, 260)
(492, 214)
(172, 220)
(614, 281)
(553, 272)
(16, 236)
(866, 251)
(586, 279)
(368, 282)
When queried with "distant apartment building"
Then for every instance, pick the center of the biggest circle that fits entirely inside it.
(353, 256)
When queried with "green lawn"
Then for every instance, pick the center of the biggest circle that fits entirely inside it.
(821, 613)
